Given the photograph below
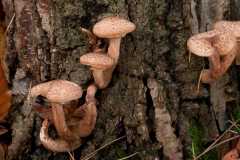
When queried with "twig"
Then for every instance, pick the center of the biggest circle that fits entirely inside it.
(199, 80)
(210, 147)
(129, 156)
(92, 154)
(10, 23)
(29, 93)
(226, 140)
(234, 125)
(71, 155)
(189, 56)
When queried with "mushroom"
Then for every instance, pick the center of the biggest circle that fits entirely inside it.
(87, 113)
(99, 62)
(46, 113)
(114, 28)
(55, 145)
(213, 44)
(92, 40)
(59, 92)
(231, 25)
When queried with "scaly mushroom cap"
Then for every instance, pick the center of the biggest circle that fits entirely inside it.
(58, 91)
(98, 61)
(234, 26)
(113, 27)
(205, 44)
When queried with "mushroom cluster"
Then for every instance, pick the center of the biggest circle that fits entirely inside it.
(220, 45)
(71, 122)
(103, 64)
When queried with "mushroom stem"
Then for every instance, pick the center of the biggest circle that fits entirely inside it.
(114, 49)
(98, 77)
(215, 62)
(226, 61)
(55, 145)
(61, 126)
(85, 126)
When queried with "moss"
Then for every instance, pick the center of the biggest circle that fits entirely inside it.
(119, 150)
(199, 142)
(234, 115)
(236, 112)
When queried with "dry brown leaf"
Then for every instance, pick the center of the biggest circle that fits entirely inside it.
(3, 130)
(3, 150)
(5, 94)
(231, 155)
(5, 103)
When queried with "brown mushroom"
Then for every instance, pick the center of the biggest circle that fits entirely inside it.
(55, 145)
(98, 62)
(92, 40)
(59, 92)
(234, 26)
(46, 112)
(213, 44)
(114, 28)
(87, 113)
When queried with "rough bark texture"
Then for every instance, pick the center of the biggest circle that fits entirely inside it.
(44, 43)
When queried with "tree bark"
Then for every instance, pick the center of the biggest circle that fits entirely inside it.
(45, 43)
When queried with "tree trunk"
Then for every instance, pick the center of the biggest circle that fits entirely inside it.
(154, 72)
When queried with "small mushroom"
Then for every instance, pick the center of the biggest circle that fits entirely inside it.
(234, 26)
(99, 62)
(55, 145)
(46, 112)
(213, 44)
(92, 40)
(87, 113)
(114, 28)
(59, 92)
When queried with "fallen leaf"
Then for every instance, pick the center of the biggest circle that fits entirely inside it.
(231, 155)
(5, 94)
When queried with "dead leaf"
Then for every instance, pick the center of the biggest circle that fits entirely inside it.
(231, 155)
(5, 94)
(3, 150)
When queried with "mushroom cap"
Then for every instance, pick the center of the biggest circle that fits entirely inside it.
(98, 61)
(113, 27)
(234, 26)
(205, 44)
(58, 91)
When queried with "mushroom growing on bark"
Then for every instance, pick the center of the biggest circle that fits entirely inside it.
(88, 114)
(213, 44)
(55, 145)
(99, 62)
(59, 92)
(234, 26)
(81, 122)
(92, 40)
(113, 28)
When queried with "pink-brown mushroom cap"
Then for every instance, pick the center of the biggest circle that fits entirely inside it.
(113, 27)
(58, 91)
(205, 44)
(234, 26)
(98, 61)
